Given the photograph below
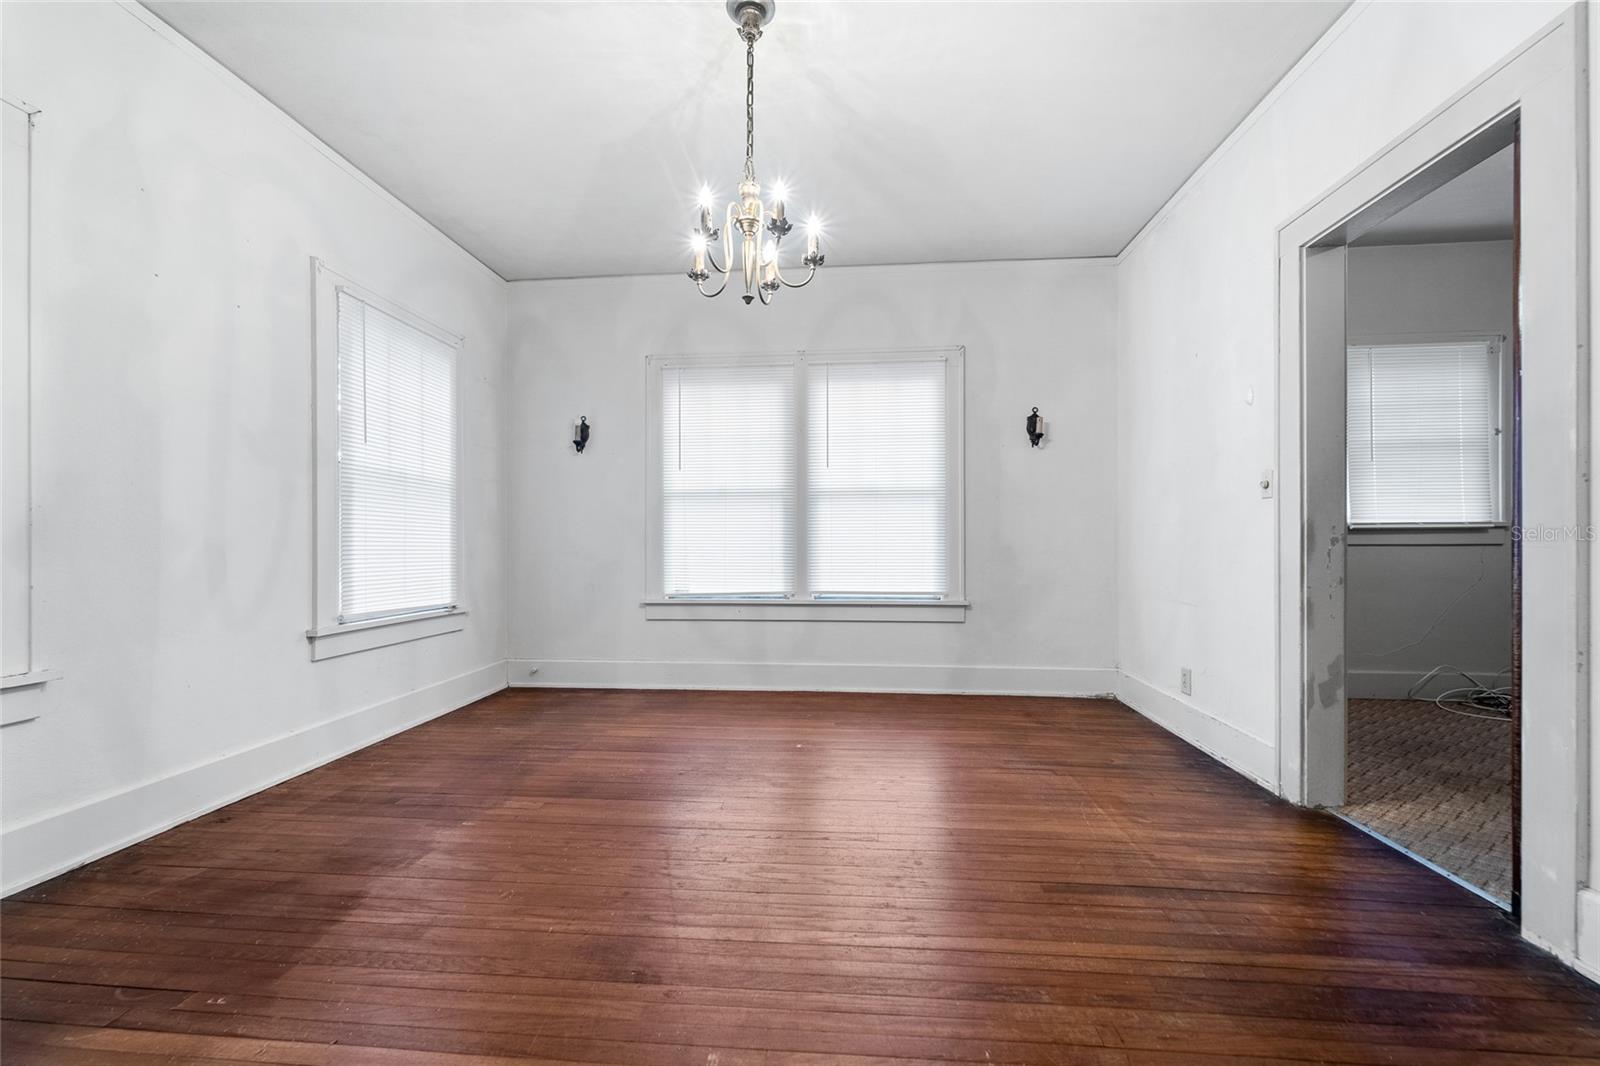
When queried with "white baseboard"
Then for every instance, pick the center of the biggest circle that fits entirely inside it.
(55, 843)
(1588, 960)
(1228, 744)
(1395, 684)
(814, 677)
(1254, 758)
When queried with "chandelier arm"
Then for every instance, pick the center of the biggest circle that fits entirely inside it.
(811, 273)
(727, 242)
(727, 250)
(777, 267)
(701, 285)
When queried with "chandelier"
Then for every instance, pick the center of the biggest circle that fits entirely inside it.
(761, 229)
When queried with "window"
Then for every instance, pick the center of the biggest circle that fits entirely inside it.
(727, 480)
(388, 537)
(1424, 432)
(16, 607)
(806, 486)
(397, 466)
(21, 677)
(879, 484)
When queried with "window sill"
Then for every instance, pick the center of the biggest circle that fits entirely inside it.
(330, 642)
(804, 611)
(26, 709)
(1418, 536)
(29, 679)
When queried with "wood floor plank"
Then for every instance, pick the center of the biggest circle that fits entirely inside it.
(724, 878)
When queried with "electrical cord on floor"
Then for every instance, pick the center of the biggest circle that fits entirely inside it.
(1477, 700)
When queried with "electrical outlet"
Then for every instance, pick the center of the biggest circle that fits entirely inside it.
(1186, 681)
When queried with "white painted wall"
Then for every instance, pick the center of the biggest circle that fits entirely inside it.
(1196, 571)
(1414, 601)
(1040, 529)
(175, 214)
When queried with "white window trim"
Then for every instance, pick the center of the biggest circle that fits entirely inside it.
(1436, 536)
(28, 680)
(1462, 533)
(801, 607)
(334, 641)
(328, 637)
(24, 704)
(20, 695)
(945, 610)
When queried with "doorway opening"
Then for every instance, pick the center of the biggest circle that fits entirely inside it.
(1411, 370)
(1430, 557)
(1532, 102)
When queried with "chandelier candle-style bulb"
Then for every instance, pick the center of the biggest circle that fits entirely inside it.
(760, 230)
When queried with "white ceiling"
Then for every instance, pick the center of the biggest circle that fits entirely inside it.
(567, 139)
(1476, 206)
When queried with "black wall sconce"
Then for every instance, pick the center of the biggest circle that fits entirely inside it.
(580, 433)
(1035, 428)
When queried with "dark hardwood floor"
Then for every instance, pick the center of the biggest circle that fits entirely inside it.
(719, 879)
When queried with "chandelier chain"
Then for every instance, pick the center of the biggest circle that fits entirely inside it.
(750, 108)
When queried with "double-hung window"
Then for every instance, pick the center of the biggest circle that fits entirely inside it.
(878, 490)
(727, 480)
(20, 675)
(806, 485)
(1425, 442)
(388, 529)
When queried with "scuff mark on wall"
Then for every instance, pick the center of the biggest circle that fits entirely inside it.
(1330, 688)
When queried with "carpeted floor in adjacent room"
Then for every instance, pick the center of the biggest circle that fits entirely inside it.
(1436, 783)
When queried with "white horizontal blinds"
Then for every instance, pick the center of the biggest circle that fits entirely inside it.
(397, 466)
(1423, 446)
(727, 480)
(878, 481)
